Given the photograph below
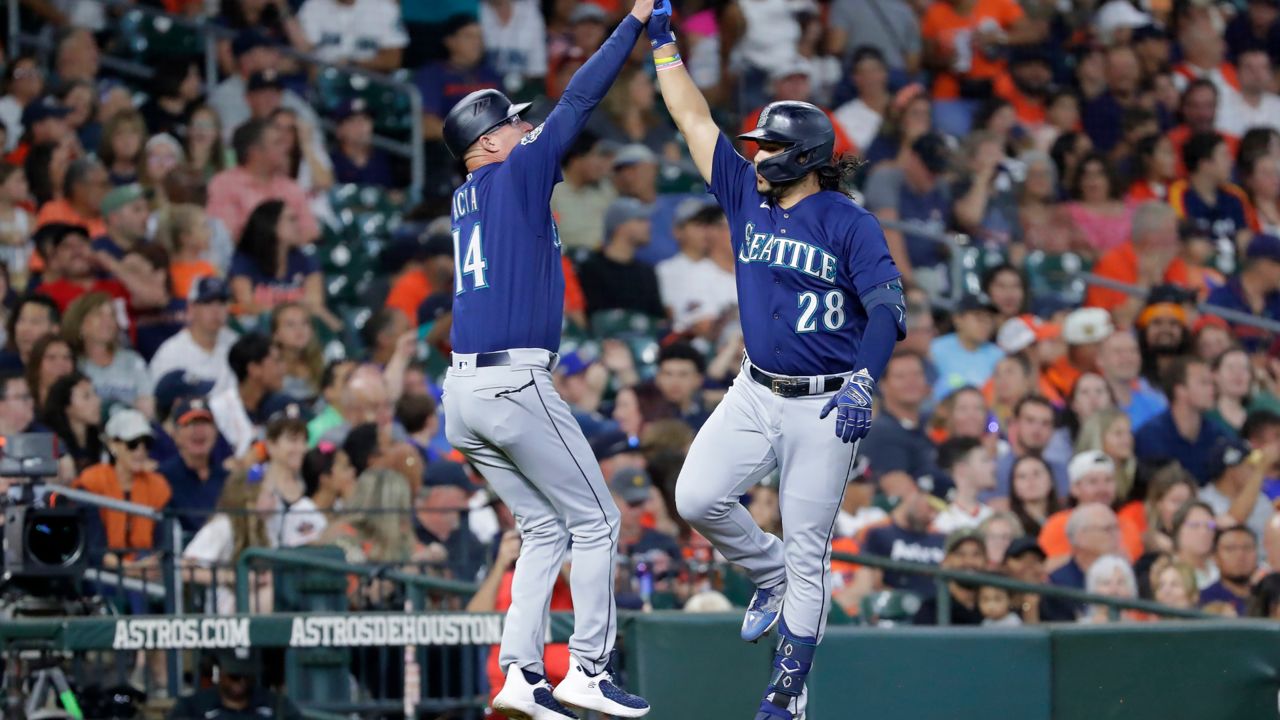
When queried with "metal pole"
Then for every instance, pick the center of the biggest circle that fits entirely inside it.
(943, 599)
(210, 56)
(417, 158)
(15, 29)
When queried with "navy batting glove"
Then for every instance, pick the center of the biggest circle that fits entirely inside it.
(659, 25)
(853, 407)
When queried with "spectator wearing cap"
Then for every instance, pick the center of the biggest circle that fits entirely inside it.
(196, 474)
(1163, 332)
(1024, 560)
(697, 293)
(364, 33)
(44, 120)
(23, 83)
(238, 409)
(1083, 330)
(183, 230)
(905, 537)
(1208, 197)
(202, 347)
(1033, 344)
(237, 693)
(615, 450)
(1235, 553)
(965, 551)
(465, 70)
(581, 379)
(1149, 259)
(127, 475)
(355, 159)
(83, 188)
(915, 191)
(1235, 488)
(1093, 480)
(964, 42)
(972, 470)
(235, 193)
(1254, 291)
(862, 117)
(791, 81)
(681, 372)
(581, 200)
(966, 357)
(1183, 432)
(74, 412)
(900, 452)
(125, 213)
(612, 278)
(437, 514)
(425, 266)
(633, 491)
(635, 175)
(253, 52)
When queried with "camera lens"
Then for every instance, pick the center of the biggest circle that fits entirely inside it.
(54, 541)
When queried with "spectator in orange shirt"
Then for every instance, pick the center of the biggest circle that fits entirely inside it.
(964, 42)
(1093, 483)
(184, 231)
(44, 120)
(1026, 85)
(1084, 330)
(1199, 115)
(1157, 168)
(83, 189)
(1149, 259)
(426, 267)
(791, 82)
(130, 476)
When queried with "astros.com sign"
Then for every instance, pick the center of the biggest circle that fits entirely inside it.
(349, 630)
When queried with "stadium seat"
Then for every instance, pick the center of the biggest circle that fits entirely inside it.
(889, 607)
(152, 38)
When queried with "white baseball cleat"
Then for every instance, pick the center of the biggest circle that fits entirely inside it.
(599, 693)
(524, 700)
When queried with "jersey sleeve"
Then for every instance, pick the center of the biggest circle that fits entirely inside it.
(733, 179)
(534, 164)
(869, 261)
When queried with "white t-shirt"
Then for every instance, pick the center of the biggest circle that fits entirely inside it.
(1236, 117)
(859, 122)
(955, 518)
(11, 116)
(212, 546)
(181, 352)
(232, 419)
(300, 523)
(694, 290)
(1258, 517)
(356, 31)
(520, 46)
(848, 526)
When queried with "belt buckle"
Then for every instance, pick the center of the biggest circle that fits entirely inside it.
(783, 387)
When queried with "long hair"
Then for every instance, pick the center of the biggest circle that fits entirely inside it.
(36, 359)
(1019, 508)
(238, 501)
(73, 321)
(259, 240)
(295, 153)
(177, 221)
(120, 122)
(381, 503)
(1090, 438)
(39, 166)
(312, 357)
(53, 413)
(838, 173)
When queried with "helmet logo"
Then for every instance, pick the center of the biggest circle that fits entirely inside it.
(764, 115)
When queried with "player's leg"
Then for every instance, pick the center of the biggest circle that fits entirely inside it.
(540, 436)
(729, 455)
(544, 540)
(815, 467)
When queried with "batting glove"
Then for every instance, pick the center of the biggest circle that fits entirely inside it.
(659, 26)
(853, 407)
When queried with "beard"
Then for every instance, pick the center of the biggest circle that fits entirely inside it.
(774, 190)
(1238, 579)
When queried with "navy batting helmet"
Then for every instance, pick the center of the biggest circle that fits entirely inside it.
(804, 129)
(479, 113)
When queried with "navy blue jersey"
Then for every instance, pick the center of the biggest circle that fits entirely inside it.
(801, 271)
(508, 280)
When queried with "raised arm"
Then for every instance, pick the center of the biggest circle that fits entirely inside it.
(683, 98)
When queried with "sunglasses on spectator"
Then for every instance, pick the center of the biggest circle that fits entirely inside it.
(141, 442)
(1202, 525)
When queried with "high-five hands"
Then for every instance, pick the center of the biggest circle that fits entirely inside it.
(659, 26)
(853, 407)
(642, 9)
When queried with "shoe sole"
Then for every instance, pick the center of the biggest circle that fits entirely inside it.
(600, 704)
(513, 712)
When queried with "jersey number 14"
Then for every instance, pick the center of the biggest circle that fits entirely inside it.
(832, 311)
(473, 262)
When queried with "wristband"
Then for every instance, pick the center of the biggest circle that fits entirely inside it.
(666, 63)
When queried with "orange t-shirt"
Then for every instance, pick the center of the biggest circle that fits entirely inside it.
(1061, 376)
(408, 292)
(185, 274)
(123, 530)
(944, 26)
(1030, 111)
(1121, 263)
(60, 211)
(574, 299)
(1179, 137)
(555, 656)
(1053, 536)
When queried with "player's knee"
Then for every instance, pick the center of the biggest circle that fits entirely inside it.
(596, 526)
(696, 505)
(547, 531)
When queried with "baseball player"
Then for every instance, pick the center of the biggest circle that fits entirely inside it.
(821, 309)
(504, 413)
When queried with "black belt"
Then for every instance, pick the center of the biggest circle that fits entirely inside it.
(793, 387)
(502, 358)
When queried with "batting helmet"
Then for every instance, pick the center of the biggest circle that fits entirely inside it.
(804, 129)
(479, 113)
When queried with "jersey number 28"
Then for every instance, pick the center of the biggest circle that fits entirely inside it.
(473, 262)
(832, 311)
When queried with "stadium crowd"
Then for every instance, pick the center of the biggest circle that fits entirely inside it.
(178, 310)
